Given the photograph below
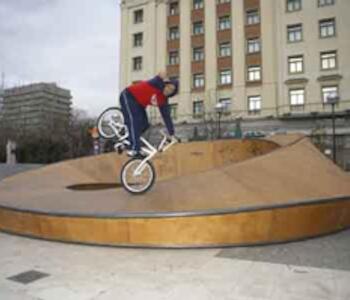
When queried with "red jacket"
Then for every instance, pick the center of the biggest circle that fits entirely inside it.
(149, 92)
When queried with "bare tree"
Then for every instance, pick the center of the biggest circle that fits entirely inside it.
(78, 135)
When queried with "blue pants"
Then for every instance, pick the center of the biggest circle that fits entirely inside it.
(135, 118)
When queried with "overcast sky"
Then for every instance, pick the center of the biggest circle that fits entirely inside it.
(74, 43)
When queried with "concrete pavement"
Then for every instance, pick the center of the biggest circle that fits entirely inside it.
(97, 273)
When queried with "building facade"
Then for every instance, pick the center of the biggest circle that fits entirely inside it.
(36, 106)
(258, 58)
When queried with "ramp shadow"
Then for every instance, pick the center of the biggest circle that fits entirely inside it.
(94, 186)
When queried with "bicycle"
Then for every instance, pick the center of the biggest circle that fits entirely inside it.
(137, 174)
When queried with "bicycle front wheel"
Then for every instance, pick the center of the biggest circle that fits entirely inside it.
(137, 176)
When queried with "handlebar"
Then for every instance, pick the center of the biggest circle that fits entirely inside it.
(167, 141)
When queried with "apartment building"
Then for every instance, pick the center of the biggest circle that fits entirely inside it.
(258, 58)
(36, 106)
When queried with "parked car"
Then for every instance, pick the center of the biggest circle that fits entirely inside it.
(254, 134)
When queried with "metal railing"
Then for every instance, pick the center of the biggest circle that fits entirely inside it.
(309, 109)
(324, 142)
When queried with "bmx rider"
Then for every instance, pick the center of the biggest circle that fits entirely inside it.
(134, 101)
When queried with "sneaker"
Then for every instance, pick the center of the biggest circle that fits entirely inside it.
(135, 154)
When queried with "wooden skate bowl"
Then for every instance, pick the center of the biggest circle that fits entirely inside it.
(207, 194)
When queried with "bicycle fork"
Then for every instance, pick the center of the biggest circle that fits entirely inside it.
(150, 151)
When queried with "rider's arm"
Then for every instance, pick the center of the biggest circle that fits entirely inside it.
(157, 82)
(165, 112)
(163, 75)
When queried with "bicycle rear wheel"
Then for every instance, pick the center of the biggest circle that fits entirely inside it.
(137, 182)
(110, 122)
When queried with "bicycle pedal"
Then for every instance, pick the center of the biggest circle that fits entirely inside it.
(119, 148)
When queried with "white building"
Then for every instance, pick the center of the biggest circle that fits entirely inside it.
(261, 57)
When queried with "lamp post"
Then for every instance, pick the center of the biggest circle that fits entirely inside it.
(220, 108)
(333, 99)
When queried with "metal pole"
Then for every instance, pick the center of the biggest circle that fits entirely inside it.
(334, 138)
(219, 134)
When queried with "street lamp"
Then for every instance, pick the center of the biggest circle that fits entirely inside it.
(220, 108)
(333, 99)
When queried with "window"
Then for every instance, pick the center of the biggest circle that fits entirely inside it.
(224, 23)
(225, 49)
(297, 97)
(138, 16)
(226, 103)
(253, 45)
(174, 57)
(328, 60)
(198, 108)
(173, 110)
(223, 1)
(293, 5)
(254, 104)
(198, 80)
(295, 33)
(173, 8)
(198, 28)
(174, 33)
(138, 39)
(198, 4)
(326, 2)
(329, 92)
(327, 28)
(253, 17)
(254, 73)
(137, 63)
(296, 64)
(198, 54)
(225, 77)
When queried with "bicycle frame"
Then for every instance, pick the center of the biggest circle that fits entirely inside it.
(148, 148)
(151, 151)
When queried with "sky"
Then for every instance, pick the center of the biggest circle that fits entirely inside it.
(74, 43)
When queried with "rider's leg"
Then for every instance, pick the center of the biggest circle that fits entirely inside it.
(145, 126)
(144, 122)
(132, 112)
(128, 108)
(141, 125)
(123, 104)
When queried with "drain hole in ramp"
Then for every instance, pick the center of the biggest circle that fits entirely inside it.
(94, 186)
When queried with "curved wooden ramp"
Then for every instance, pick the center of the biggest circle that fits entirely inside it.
(215, 194)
